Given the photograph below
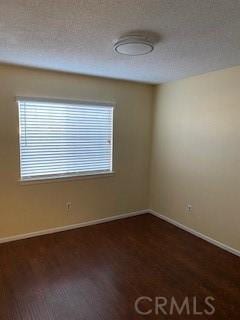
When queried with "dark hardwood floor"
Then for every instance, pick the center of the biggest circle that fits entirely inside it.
(97, 273)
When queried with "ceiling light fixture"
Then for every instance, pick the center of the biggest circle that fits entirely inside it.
(133, 45)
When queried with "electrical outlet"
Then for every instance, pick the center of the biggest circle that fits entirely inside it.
(189, 208)
(68, 205)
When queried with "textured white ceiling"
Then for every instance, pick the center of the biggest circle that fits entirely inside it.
(197, 36)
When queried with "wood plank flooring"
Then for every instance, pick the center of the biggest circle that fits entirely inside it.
(98, 272)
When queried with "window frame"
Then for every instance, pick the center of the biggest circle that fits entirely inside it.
(71, 176)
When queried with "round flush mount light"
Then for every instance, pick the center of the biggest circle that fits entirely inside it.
(133, 45)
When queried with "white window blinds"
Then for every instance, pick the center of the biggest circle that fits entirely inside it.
(64, 139)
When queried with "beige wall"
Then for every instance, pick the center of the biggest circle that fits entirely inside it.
(196, 153)
(28, 208)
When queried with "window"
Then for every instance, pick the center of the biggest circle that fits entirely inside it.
(59, 139)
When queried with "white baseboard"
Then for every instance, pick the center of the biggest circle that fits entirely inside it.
(117, 217)
(195, 233)
(72, 226)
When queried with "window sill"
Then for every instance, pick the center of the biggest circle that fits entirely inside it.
(66, 178)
